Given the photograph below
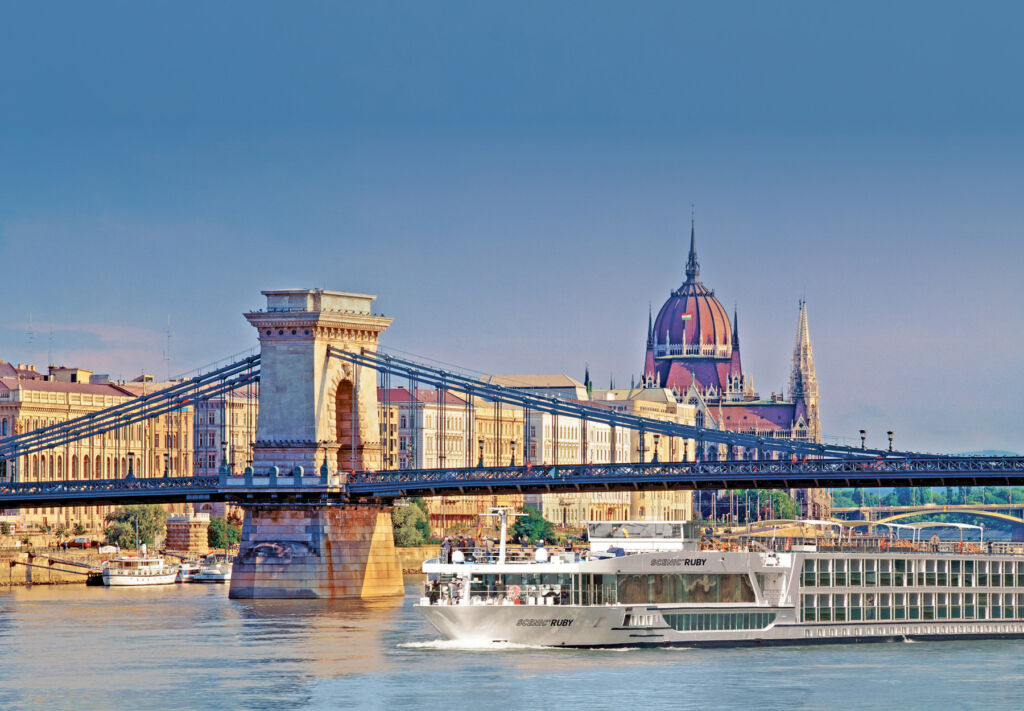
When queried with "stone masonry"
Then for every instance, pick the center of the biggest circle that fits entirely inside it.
(312, 551)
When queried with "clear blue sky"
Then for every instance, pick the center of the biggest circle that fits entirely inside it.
(514, 181)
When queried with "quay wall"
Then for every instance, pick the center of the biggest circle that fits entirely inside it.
(13, 572)
(411, 559)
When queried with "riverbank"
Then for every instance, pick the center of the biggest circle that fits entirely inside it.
(48, 567)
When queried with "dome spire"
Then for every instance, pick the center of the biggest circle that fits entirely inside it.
(650, 326)
(692, 265)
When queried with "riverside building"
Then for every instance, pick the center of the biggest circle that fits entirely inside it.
(30, 400)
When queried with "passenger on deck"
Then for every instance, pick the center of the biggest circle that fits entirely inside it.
(458, 556)
(541, 555)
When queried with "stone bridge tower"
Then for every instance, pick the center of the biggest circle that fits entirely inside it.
(314, 408)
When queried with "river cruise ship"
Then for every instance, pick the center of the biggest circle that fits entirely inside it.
(664, 584)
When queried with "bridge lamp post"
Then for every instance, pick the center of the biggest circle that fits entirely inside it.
(131, 463)
(480, 449)
(863, 438)
(890, 439)
(512, 444)
(654, 458)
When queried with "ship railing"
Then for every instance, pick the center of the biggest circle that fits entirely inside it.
(529, 595)
(861, 544)
(513, 555)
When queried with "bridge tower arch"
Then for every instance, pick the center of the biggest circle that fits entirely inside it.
(314, 408)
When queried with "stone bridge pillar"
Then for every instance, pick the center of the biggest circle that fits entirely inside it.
(314, 410)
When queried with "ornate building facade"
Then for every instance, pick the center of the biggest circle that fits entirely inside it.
(694, 350)
(30, 400)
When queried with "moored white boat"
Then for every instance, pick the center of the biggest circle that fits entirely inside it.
(133, 571)
(187, 571)
(215, 569)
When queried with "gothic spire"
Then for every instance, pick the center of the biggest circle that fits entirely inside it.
(692, 265)
(803, 384)
(735, 328)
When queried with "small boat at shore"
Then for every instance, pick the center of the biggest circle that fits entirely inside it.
(215, 569)
(187, 571)
(138, 570)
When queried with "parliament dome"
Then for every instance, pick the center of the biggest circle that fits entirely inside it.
(692, 317)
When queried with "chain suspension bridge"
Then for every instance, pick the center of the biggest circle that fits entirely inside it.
(315, 437)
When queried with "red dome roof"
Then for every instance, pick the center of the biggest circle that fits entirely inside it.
(708, 322)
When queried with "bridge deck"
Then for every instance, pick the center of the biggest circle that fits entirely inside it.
(569, 478)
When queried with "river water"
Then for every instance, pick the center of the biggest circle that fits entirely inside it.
(189, 646)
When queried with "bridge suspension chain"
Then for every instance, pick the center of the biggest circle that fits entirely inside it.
(471, 386)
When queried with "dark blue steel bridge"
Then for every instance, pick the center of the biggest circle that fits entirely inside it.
(768, 463)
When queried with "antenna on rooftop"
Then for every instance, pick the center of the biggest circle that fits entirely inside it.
(30, 335)
(49, 349)
(167, 351)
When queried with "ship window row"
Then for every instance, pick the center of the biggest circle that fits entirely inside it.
(856, 607)
(684, 588)
(887, 572)
(699, 622)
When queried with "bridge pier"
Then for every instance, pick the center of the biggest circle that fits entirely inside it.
(317, 414)
(293, 551)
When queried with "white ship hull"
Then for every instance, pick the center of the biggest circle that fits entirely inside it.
(579, 626)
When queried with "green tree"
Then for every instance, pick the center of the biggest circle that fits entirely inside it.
(411, 524)
(78, 530)
(779, 504)
(223, 533)
(5, 528)
(121, 522)
(534, 525)
(846, 498)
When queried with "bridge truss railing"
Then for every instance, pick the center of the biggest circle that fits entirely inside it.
(755, 474)
(474, 387)
(200, 388)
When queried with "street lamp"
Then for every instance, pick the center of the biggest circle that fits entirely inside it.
(890, 439)
(512, 445)
(863, 437)
(654, 459)
(480, 444)
(131, 463)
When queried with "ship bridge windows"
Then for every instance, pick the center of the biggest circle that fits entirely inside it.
(684, 588)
